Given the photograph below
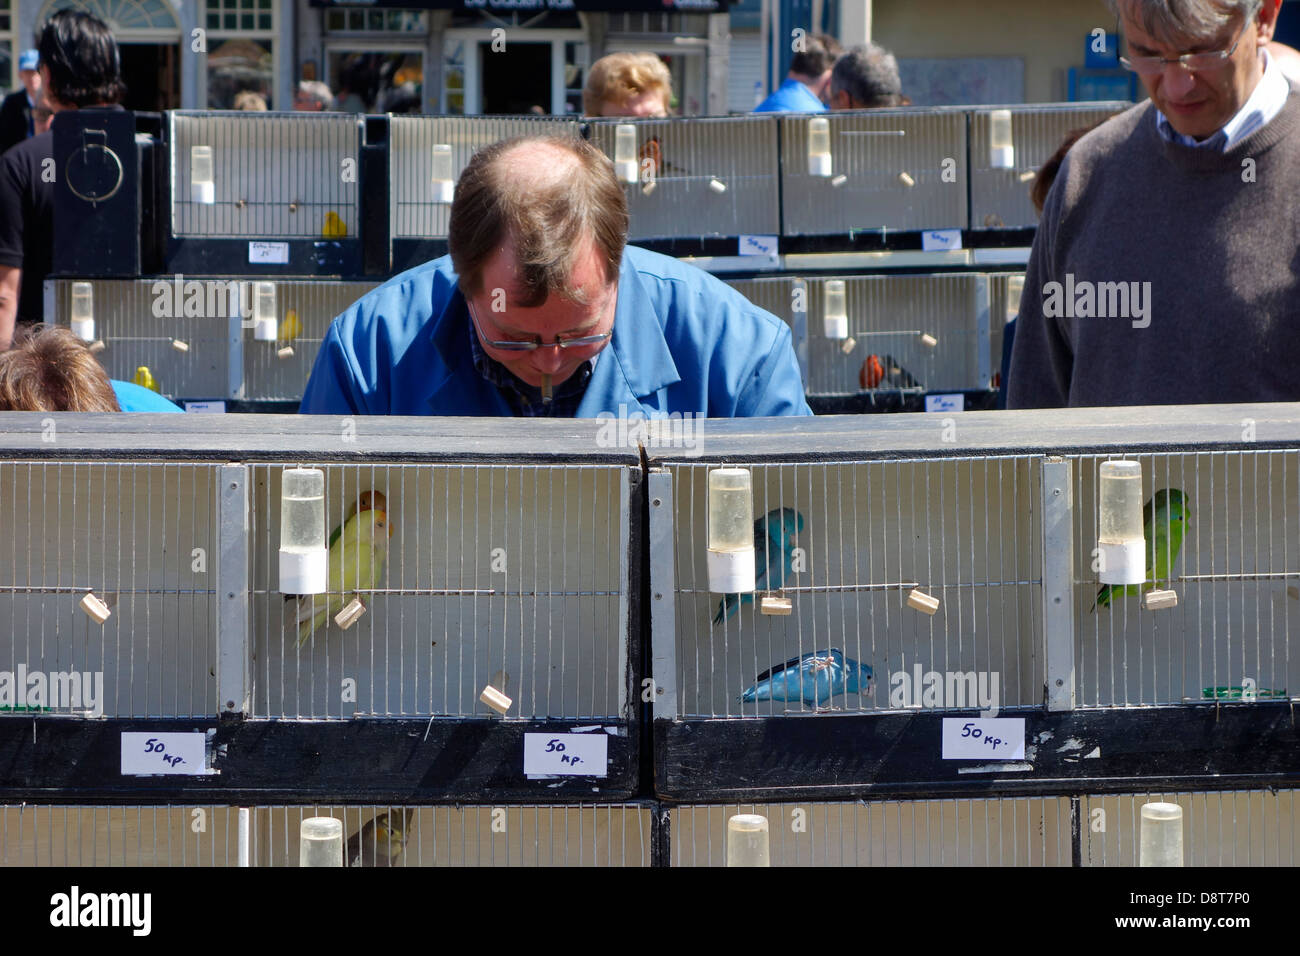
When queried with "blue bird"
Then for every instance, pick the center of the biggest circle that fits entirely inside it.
(774, 541)
(816, 678)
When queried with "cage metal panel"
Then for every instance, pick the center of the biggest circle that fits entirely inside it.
(1007, 831)
(275, 175)
(714, 176)
(1220, 828)
(616, 835)
(138, 536)
(490, 569)
(1000, 197)
(413, 214)
(877, 152)
(140, 320)
(959, 529)
(1236, 574)
(893, 319)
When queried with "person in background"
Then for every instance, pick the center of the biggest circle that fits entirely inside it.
(16, 122)
(49, 369)
(866, 77)
(628, 84)
(808, 84)
(249, 101)
(80, 69)
(543, 310)
(1043, 180)
(1163, 270)
(313, 96)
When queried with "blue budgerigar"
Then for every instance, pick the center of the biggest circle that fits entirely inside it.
(774, 543)
(816, 678)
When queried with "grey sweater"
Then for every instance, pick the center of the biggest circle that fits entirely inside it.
(1176, 271)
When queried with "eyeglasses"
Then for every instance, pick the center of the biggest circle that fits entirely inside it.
(1194, 62)
(564, 342)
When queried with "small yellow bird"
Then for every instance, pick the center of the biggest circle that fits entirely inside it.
(381, 841)
(291, 327)
(144, 378)
(335, 227)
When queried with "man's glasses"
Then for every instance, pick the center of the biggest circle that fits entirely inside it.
(514, 345)
(1195, 62)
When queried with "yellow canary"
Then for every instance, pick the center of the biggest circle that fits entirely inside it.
(144, 378)
(291, 327)
(335, 227)
(380, 842)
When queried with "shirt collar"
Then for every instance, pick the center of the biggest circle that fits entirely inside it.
(1263, 104)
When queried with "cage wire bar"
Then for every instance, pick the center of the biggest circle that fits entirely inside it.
(275, 175)
(138, 538)
(868, 534)
(196, 335)
(999, 198)
(1002, 831)
(413, 213)
(614, 835)
(494, 573)
(699, 177)
(893, 170)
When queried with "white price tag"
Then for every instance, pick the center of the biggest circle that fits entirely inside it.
(163, 753)
(574, 755)
(268, 253)
(984, 738)
(935, 240)
(758, 246)
(945, 403)
(217, 406)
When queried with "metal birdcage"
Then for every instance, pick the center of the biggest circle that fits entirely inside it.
(1220, 828)
(107, 583)
(273, 175)
(509, 575)
(199, 338)
(1000, 193)
(698, 177)
(905, 334)
(417, 209)
(890, 170)
(1006, 831)
(615, 835)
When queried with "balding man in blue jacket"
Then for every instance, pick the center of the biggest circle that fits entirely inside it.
(541, 309)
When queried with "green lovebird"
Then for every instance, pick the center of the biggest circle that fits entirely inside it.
(1164, 522)
(380, 842)
(356, 560)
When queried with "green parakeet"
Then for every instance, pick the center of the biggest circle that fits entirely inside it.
(1164, 522)
(356, 560)
(380, 842)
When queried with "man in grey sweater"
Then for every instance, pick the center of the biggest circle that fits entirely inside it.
(1166, 268)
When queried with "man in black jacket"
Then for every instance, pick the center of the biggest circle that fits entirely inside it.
(16, 112)
(81, 69)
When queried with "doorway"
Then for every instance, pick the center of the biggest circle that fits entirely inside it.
(152, 79)
(516, 80)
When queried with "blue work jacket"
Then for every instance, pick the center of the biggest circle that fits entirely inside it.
(791, 97)
(683, 342)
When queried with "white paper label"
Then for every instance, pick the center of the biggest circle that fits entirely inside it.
(217, 406)
(574, 755)
(169, 753)
(933, 240)
(758, 246)
(984, 738)
(268, 253)
(945, 403)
